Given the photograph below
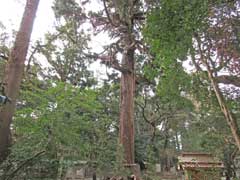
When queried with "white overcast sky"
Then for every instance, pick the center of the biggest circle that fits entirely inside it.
(11, 12)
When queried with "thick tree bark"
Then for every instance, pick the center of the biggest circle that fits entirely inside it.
(127, 107)
(122, 22)
(13, 74)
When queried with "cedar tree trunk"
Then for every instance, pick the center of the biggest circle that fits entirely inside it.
(13, 75)
(127, 105)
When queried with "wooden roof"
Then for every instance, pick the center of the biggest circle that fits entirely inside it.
(198, 160)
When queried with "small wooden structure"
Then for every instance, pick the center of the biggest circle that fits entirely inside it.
(200, 166)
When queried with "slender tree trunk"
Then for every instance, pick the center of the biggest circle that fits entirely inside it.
(60, 166)
(127, 105)
(224, 108)
(177, 142)
(231, 120)
(13, 74)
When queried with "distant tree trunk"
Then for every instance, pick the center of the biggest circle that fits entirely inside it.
(60, 166)
(94, 175)
(127, 105)
(166, 164)
(177, 142)
(13, 74)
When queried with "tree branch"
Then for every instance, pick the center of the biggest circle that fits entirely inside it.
(107, 13)
(23, 164)
(226, 79)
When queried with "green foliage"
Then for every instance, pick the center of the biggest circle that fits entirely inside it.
(169, 31)
(170, 27)
(4, 49)
(57, 111)
(64, 121)
(70, 120)
(66, 48)
(69, 10)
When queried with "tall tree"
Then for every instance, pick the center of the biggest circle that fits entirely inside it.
(122, 19)
(207, 33)
(66, 48)
(13, 74)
